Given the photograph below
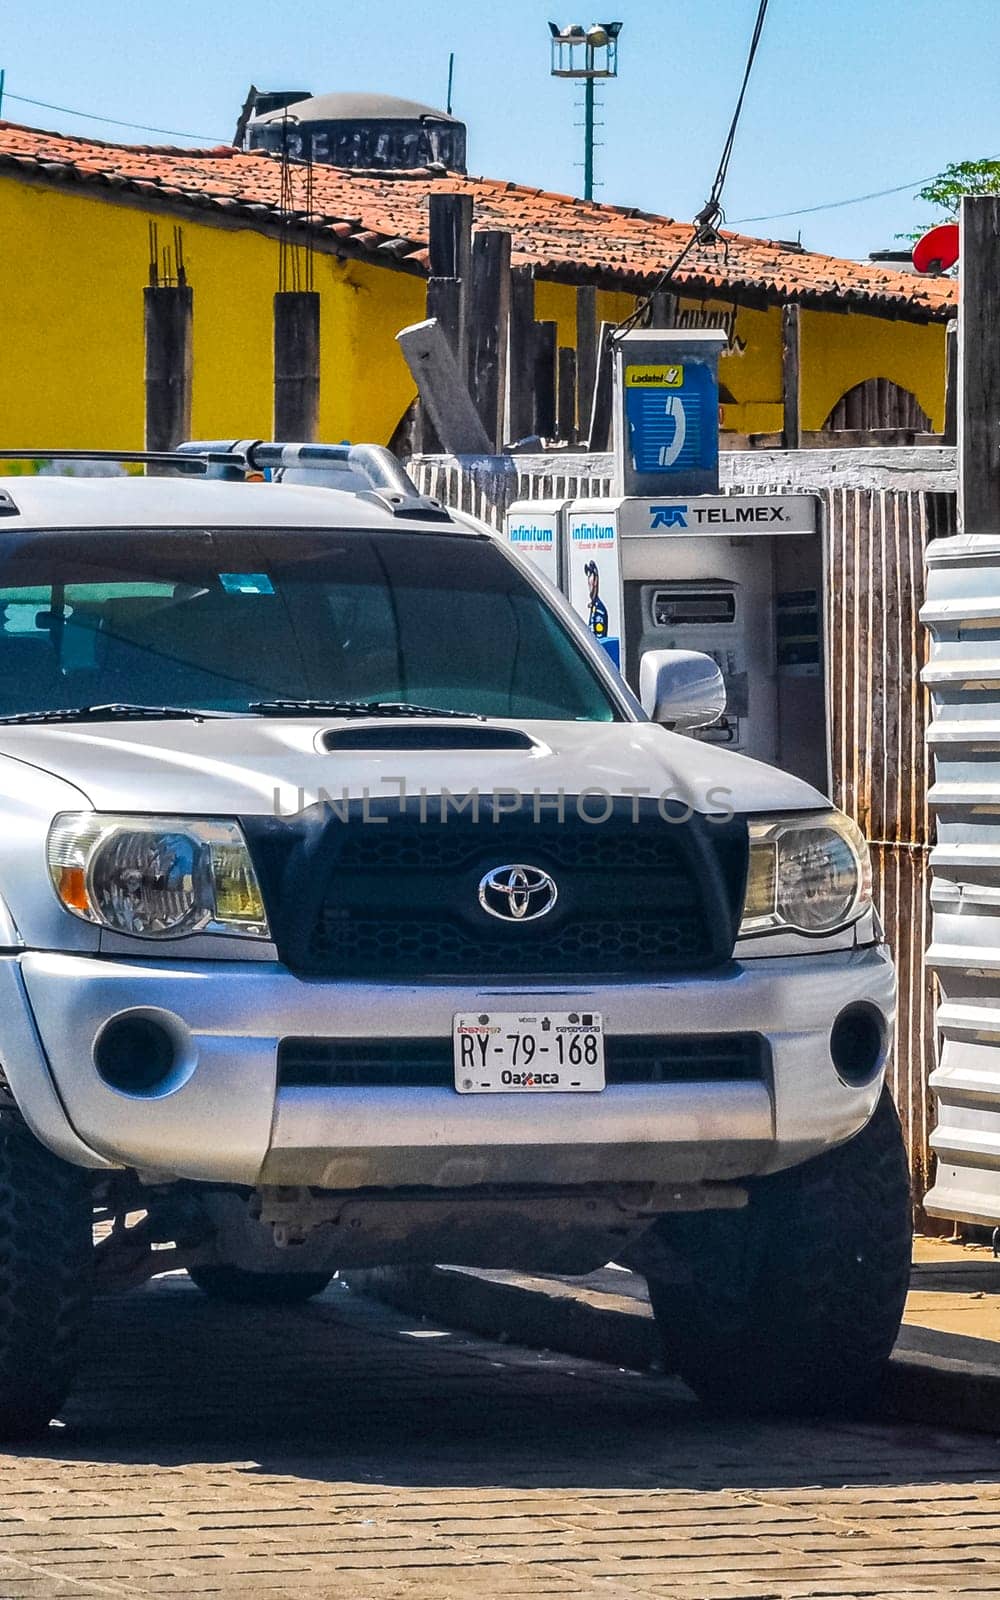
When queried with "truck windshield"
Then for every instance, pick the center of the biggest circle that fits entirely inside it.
(221, 618)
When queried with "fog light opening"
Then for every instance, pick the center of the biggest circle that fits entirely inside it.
(137, 1054)
(858, 1044)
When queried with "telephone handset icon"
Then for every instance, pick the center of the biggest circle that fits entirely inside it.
(674, 407)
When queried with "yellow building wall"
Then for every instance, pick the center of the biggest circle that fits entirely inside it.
(750, 368)
(556, 302)
(72, 271)
(839, 350)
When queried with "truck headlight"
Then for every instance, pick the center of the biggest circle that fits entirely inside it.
(156, 877)
(810, 873)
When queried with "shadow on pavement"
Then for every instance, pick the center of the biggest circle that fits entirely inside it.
(345, 1390)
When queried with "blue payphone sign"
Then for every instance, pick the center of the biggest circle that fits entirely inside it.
(666, 413)
(672, 411)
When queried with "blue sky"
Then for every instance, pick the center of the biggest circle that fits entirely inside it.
(848, 96)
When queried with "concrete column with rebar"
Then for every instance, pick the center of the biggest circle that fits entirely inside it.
(296, 365)
(168, 315)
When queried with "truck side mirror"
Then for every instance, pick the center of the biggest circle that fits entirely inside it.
(681, 688)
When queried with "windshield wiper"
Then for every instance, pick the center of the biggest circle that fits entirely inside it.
(357, 708)
(115, 711)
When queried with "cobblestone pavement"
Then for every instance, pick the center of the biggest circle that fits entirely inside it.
(342, 1450)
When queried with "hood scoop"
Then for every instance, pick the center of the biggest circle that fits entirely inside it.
(424, 736)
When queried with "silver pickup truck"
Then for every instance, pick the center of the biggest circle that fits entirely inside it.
(354, 911)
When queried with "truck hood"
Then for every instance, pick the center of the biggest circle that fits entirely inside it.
(267, 766)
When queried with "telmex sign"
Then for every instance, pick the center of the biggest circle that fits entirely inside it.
(719, 514)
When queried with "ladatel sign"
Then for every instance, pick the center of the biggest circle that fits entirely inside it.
(666, 411)
(672, 415)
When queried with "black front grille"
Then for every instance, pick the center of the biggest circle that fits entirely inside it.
(457, 844)
(427, 1063)
(371, 944)
(394, 894)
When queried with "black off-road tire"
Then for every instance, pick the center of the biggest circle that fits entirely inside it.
(794, 1303)
(243, 1288)
(46, 1267)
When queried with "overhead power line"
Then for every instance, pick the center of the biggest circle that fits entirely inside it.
(115, 122)
(711, 211)
(834, 205)
(705, 229)
(855, 200)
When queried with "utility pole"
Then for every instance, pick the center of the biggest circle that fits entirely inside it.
(979, 367)
(587, 53)
(588, 139)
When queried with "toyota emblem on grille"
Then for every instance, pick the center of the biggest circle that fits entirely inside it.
(517, 893)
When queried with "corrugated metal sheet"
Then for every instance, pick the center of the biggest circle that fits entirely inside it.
(878, 538)
(962, 612)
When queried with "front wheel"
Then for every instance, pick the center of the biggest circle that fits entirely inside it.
(46, 1262)
(258, 1288)
(793, 1304)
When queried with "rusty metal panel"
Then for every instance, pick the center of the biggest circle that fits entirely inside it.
(877, 707)
(878, 714)
(878, 539)
(900, 880)
(962, 614)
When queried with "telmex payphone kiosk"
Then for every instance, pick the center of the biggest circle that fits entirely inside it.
(666, 562)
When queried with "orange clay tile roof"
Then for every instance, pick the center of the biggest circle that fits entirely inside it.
(384, 215)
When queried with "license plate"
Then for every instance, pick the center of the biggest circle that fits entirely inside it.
(528, 1052)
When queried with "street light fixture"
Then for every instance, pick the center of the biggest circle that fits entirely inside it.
(587, 53)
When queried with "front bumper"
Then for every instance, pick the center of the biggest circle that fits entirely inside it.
(225, 1120)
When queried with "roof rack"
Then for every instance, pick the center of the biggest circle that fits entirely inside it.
(153, 458)
(368, 470)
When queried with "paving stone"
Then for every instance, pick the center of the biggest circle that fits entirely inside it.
(324, 1452)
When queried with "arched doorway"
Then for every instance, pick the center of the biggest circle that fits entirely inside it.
(877, 403)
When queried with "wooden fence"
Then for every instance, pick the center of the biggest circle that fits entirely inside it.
(881, 509)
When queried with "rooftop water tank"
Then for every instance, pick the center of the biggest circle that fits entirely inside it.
(356, 130)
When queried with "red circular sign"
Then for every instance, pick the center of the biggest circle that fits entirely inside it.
(937, 250)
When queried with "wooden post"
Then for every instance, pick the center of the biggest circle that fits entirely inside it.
(663, 311)
(586, 354)
(168, 315)
(979, 367)
(445, 298)
(296, 365)
(951, 382)
(449, 249)
(790, 376)
(599, 434)
(489, 317)
(521, 357)
(546, 342)
(449, 246)
(566, 395)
